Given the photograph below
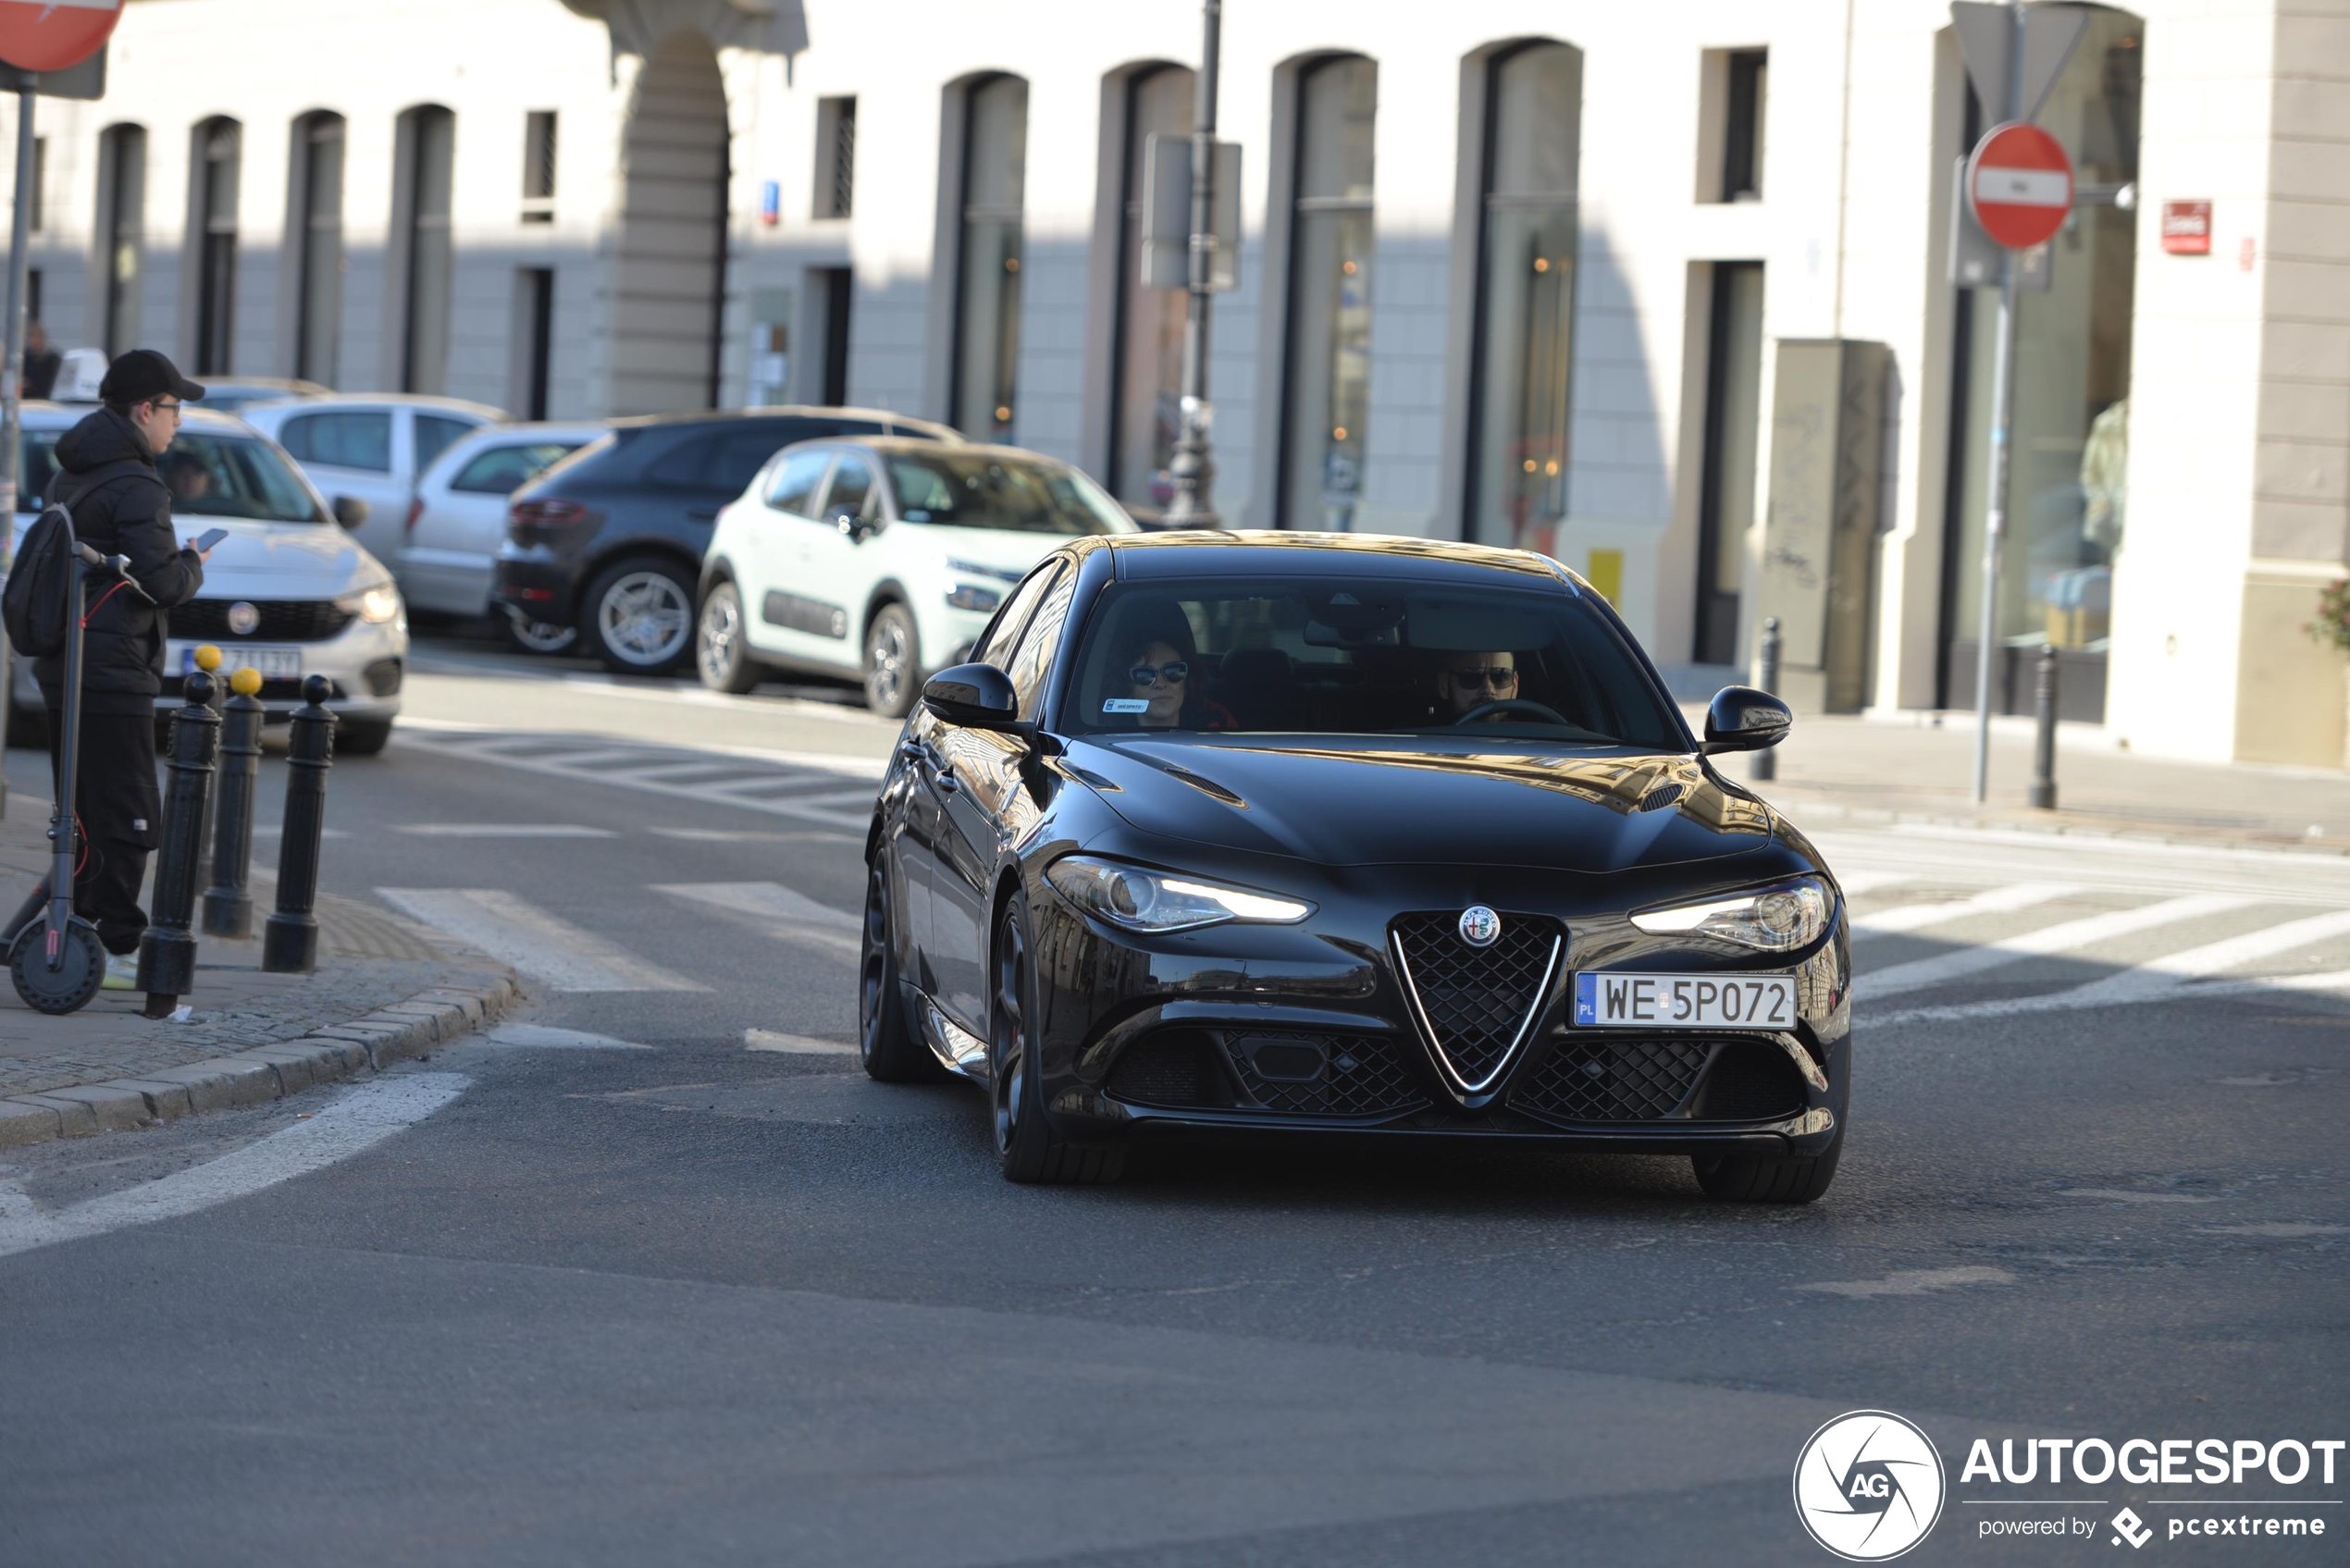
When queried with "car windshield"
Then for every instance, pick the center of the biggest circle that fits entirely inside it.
(210, 476)
(1356, 656)
(977, 489)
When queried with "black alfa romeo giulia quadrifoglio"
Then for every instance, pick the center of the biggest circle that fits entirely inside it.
(1332, 835)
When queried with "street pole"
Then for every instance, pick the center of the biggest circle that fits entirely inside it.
(11, 439)
(1995, 521)
(1192, 468)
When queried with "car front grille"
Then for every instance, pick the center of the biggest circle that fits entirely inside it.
(282, 620)
(1475, 1002)
(1337, 1075)
(1588, 1078)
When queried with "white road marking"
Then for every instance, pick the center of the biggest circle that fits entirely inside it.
(501, 830)
(540, 1037)
(350, 1125)
(534, 942)
(1860, 883)
(1913, 1282)
(796, 1044)
(2169, 972)
(777, 909)
(2093, 996)
(820, 774)
(1992, 901)
(2131, 1195)
(2279, 1229)
(721, 835)
(2068, 937)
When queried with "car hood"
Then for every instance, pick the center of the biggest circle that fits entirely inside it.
(1426, 801)
(281, 560)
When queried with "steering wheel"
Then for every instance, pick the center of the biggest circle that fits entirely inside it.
(1512, 704)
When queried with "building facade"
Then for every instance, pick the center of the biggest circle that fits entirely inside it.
(1519, 272)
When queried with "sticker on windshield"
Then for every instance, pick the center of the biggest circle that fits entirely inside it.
(1126, 705)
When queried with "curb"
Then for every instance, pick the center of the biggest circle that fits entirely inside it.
(270, 1072)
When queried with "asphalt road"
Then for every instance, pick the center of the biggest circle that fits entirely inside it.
(663, 1279)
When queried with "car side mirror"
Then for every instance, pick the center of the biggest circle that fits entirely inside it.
(350, 510)
(1742, 719)
(859, 529)
(978, 697)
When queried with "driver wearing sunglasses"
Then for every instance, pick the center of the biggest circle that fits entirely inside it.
(1160, 675)
(1469, 681)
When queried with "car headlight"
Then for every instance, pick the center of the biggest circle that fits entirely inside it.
(1164, 901)
(373, 605)
(1777, 919)
(970, 596)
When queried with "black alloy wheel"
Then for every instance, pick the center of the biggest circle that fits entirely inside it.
(1029, 1150)
(892, 651)
(1765, 1178)
(884, 1039)
(721, 651)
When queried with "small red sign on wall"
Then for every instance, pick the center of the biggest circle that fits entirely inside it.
(2186, 227)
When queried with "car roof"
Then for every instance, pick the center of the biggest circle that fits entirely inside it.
(886, 444)
(1250, 551)
(426, 400)
(45, 417)
(789, 411)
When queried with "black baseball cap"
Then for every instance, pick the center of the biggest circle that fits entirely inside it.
(143, 374)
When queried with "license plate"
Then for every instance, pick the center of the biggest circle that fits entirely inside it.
(275, 663)
(1684, 1001)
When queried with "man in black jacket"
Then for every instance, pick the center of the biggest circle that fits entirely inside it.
(106, 475)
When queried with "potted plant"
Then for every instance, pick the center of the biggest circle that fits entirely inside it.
(2333, 628)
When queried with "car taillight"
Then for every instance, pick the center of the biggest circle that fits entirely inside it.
(545, 514)
(415, 510)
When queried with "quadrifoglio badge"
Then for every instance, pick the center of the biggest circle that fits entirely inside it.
(1870, 1485)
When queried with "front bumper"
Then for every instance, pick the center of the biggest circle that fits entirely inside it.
(1308, 1030)
(366, 664)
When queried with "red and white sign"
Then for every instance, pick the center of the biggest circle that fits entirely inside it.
(2019, 184)
(2186, 227)
(55, 35)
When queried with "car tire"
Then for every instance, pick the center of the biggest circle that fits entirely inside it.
(886, 1039)
(893, 652)
(1029, 1150)
(362, 737)
(722, 651)
(1766, 1178)
(639, 615)
(534, 636)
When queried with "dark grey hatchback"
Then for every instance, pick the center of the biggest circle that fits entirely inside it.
(611, 540)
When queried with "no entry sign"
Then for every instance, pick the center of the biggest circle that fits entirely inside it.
(2019, 184)
(51, 35)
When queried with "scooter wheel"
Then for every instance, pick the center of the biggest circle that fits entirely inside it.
(68, 987)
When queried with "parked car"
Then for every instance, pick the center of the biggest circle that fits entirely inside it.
(237, 393)
(371, 448)
(290, 591)
(458, 519)
(1310, 835)
(880, 558)
(611, 540)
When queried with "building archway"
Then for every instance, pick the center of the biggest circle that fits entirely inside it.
(670, 289)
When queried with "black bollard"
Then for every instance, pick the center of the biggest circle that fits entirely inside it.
(167, 953)
(227, 906)
(2044, 706)
(1765, 763)
(290, 941)
(208, 660)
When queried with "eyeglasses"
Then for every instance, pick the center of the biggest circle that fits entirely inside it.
(1485, 675)
(174, 408)
(1176, 673)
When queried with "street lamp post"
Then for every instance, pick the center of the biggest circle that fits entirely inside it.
(1193, 469)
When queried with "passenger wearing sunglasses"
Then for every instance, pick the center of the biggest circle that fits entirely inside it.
(1160, 675)
(1469, 681)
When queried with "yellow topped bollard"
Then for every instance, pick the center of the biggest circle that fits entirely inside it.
(208, 658)
(245, 682)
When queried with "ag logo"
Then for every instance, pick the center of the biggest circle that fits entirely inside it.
(1480, 927)
(1868, 1486)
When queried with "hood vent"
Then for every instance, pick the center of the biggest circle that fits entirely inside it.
(1660, 796)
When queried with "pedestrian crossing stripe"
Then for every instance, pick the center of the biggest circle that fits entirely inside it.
(544, 948)
(828, 791)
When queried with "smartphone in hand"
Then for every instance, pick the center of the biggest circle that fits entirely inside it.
(209, 537)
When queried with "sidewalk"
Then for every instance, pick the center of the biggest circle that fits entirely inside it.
(1850, 771)
(383, 990)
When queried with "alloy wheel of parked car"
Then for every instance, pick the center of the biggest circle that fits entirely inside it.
(891, 679)
(720, 651)
(537, 637)
(643, 616)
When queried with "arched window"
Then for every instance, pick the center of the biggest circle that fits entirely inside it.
(122, 217)
(427, 162)
(315, 225)
(1147, 379)
(1526, 296)
(218, 161)
(1327, 401)
(988, 256)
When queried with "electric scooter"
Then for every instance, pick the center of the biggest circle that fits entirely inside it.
(54, 956)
